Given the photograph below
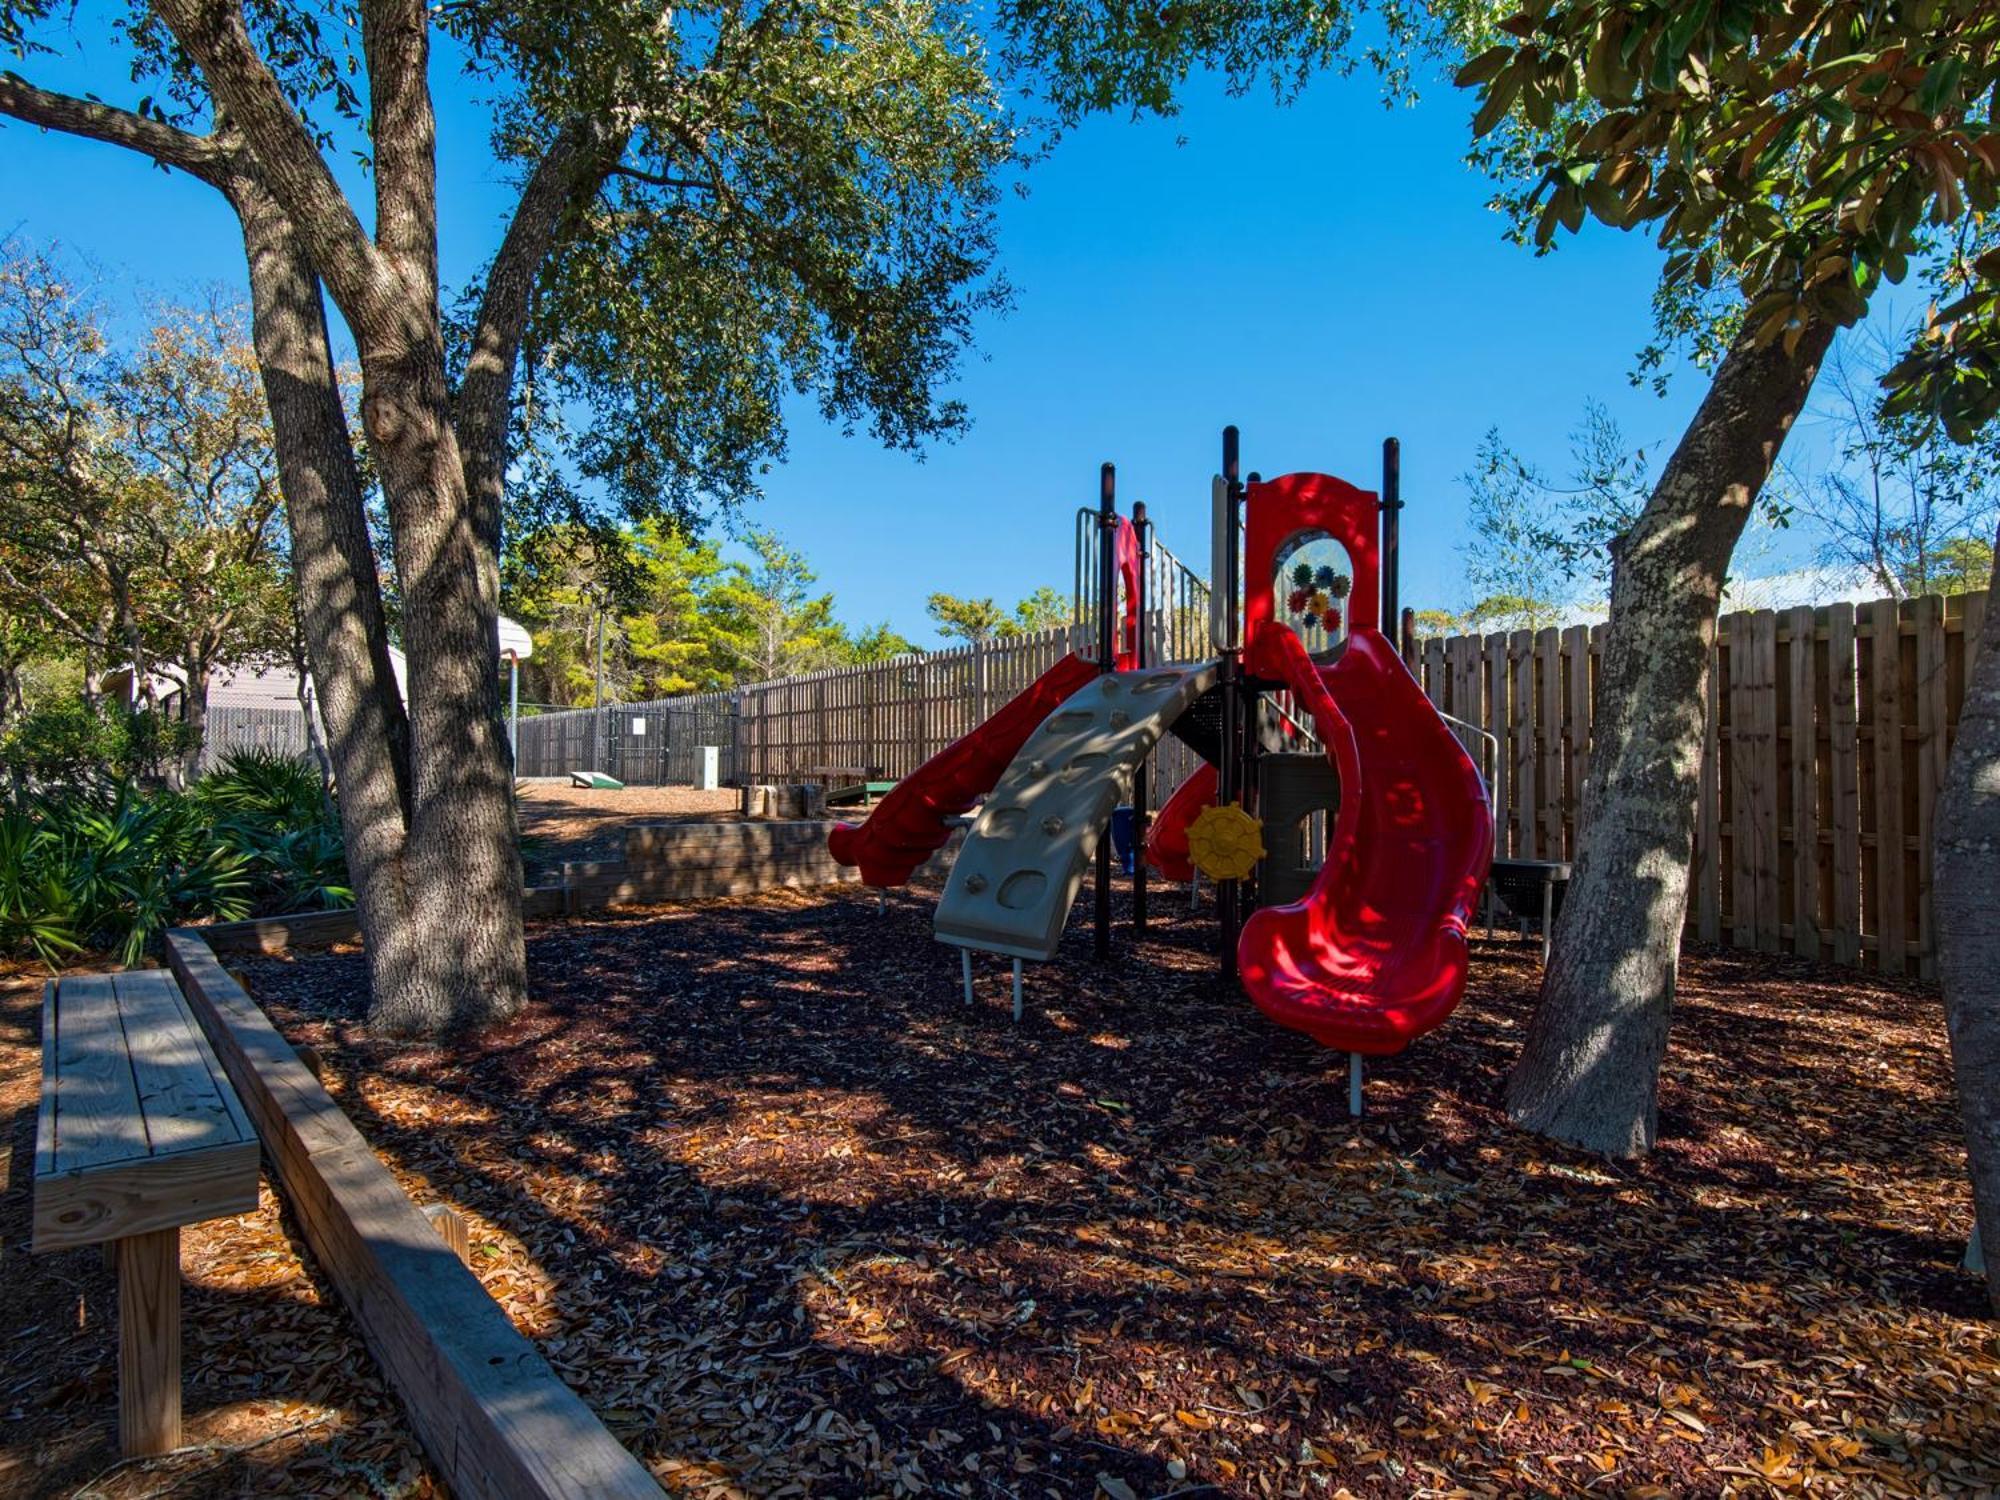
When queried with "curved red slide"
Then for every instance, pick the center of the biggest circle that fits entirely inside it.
(1167, 837)
(1374, 956)
(909, 826)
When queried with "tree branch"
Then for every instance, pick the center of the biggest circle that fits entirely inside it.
(395, 39)
(571, 171)
(661, 179)
(198, 155)
(291, 167)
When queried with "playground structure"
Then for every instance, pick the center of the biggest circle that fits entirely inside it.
(1305, 708)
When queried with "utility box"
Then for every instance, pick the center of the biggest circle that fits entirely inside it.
(708, 767)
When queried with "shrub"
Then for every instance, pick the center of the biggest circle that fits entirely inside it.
(110, 867)
(67, 743)
(62, 743)
(280, 789)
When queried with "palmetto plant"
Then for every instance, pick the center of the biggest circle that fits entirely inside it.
(278, 789)
(135, 864)
(110, 869)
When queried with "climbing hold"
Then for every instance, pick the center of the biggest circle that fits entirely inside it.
(975, 883)
(1052, 825)
(1225, 843)
(1119, 718)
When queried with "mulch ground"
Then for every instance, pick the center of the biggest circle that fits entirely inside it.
(795, 1221)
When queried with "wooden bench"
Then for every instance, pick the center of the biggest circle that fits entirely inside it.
(139, 1134)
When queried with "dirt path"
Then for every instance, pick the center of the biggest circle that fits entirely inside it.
(560, 822)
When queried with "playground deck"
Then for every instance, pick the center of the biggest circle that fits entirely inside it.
(783, 1212)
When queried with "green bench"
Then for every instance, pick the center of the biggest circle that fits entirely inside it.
(139, 1133)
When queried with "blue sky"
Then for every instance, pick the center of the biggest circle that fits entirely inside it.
(1323, 275)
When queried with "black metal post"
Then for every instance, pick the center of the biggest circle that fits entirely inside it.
(1392, 535)
(1250, 724)
(1107, 654)
(1228, 772)
(1139, 777)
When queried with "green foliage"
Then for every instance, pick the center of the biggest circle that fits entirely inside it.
(1044, 609)
(1963, 565)
(138, 490)
(803, 202)
(262, 786)
(677, 617)
(972, 620)
(771, 622)
(111, 871)
(1803, 154)
(975, 620)
(878, 643)
(109, 867)
(64, 742)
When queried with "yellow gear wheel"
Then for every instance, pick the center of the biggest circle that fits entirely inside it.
(1225, 843)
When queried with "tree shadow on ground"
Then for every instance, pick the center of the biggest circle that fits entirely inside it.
(781, 1206)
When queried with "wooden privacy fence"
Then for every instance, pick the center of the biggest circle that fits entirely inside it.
(894, 716)
(1826, 733)
(889, 717)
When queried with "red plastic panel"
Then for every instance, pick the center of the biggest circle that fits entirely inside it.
(1125, 555)
(909, 826)
(1374, 956)
(1279, 511)
(1167, 837)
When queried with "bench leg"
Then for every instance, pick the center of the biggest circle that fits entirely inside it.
(149, 1343)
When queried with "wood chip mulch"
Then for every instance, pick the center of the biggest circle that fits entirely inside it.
(562, 822)
(794, 1221)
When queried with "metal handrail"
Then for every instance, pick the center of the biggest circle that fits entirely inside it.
(1491, 739)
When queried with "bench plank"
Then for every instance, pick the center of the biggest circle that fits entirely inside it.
(186, 1107)
(138, 1132)
(97, 1116)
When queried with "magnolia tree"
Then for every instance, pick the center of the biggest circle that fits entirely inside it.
(1804, 155)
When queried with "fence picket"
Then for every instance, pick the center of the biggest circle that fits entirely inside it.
(1803, 759)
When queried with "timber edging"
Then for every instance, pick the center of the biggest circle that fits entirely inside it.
(490, 1412)
(664, 862)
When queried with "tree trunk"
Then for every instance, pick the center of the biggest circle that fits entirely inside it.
(1966, 891)
(340, 601)
(194, 713)
(1589, 1071)
(302, 688)
(462, 859)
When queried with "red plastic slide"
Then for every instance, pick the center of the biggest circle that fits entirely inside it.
(1374, 956)
(1167, 837)
(909, 826)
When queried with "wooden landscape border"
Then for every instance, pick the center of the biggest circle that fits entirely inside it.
(488, 1409)
(664, 862)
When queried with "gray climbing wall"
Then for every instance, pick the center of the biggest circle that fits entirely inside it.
(1029, 847)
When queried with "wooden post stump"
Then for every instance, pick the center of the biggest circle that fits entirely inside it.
(149, 1343)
